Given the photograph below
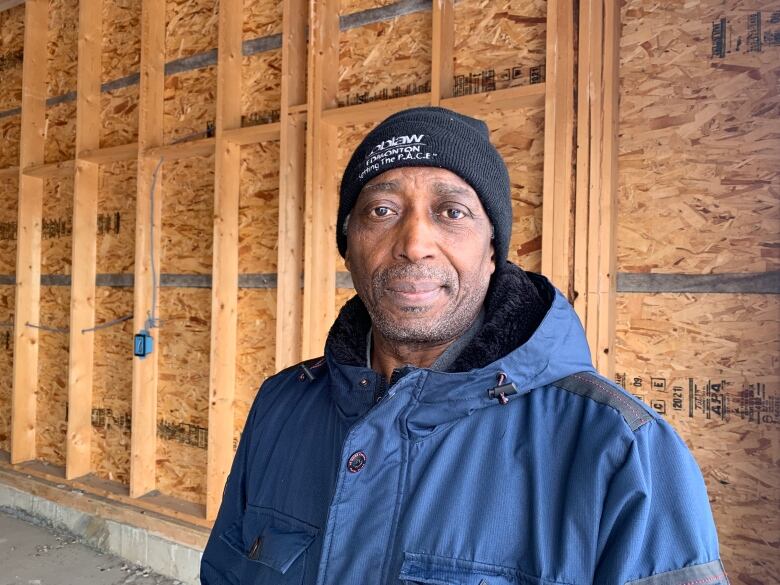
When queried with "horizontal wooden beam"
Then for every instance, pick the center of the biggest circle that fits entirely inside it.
(479, 104)
(64, 168)
(112, 491)
(110, 154)
(8, 172)
(299, 109)
(373, 111)
(201, 147)
(8, 4)
(253, 134)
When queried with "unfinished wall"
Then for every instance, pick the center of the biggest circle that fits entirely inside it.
(698, 196)
(699, 184)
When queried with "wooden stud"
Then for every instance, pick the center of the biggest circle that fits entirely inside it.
(253, 134)
(143, 438)
(62, 169)
(289, 296)
(319, 291)
(224, 289)
(511, 98)
(110, 154)
(84, 256)
(442, 61)
(9, 172)
(372, 111)
(558, 196)
(605, 354)
(586, 47)
(28, 246)
(171, 152)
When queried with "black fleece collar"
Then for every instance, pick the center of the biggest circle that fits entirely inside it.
(516, 303)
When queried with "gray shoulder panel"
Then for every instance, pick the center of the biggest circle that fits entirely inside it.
(711, 573)
(590, 385)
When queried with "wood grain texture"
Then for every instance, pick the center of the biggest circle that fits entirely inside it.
(698, 148)
(113, 382)
(6, 363)
(671, 348)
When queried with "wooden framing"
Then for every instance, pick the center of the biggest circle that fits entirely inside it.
(559, 128)
(143, 438)
(596, 212)
(307, 131)
(292, 149)
(442, 50)
(28, 250)
(83, 271)
(319, 284)
(224, 290)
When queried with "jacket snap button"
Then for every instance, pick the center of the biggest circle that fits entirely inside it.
(364, 382)
(356, 461)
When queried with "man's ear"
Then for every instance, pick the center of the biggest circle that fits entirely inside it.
(492, 258)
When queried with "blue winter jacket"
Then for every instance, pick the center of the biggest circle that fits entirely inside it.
(436, 478)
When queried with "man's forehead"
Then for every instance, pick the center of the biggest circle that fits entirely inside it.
(437, 180)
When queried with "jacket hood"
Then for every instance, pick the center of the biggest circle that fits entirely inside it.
(530, 333)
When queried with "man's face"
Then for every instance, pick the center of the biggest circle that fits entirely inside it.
(420, 253)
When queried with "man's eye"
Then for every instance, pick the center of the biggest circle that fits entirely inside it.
(380, 211)
(453, 213)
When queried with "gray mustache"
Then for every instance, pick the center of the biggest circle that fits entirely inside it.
(412, 272)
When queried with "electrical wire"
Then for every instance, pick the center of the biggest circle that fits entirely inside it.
(151, 318)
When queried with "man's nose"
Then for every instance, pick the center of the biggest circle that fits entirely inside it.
(415, 238)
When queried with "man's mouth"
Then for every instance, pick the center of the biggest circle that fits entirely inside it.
(414, 291)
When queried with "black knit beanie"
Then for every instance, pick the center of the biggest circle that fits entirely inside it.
(433, 137)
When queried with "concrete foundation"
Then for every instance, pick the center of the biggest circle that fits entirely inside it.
(137, 545)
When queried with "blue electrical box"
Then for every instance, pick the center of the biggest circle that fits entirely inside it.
(143, 344)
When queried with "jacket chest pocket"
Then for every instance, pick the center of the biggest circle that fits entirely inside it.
(273, 547)
(422, 569)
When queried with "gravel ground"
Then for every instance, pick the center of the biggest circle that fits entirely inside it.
(32, 553)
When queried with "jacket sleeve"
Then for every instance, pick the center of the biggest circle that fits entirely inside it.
(221, 564)
(656, 525)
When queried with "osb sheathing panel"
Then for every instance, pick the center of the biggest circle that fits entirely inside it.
(57, 226)
(7, 300)
(261, 86)
(519, 137)
(699, 147)
(506, 38)
(9, 198)
(116, 218)
(261, 18)
(190, 102)
(349, 138)
(191, 27)
(711, 363)
(52, 398)
(255, 348)
(182, 402)
(258, 213)
(182, 394)
(113, 385)
(119, 116)
(385, 55)
(121, 49)
(10, 133)
(62, 47)
(11, 53)
(350, 6)
(60, 142)
(120, 57)
(187, 215)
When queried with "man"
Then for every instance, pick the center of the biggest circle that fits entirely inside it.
(455, 431)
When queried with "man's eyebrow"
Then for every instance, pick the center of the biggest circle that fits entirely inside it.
(380, 187)
(451, 189)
